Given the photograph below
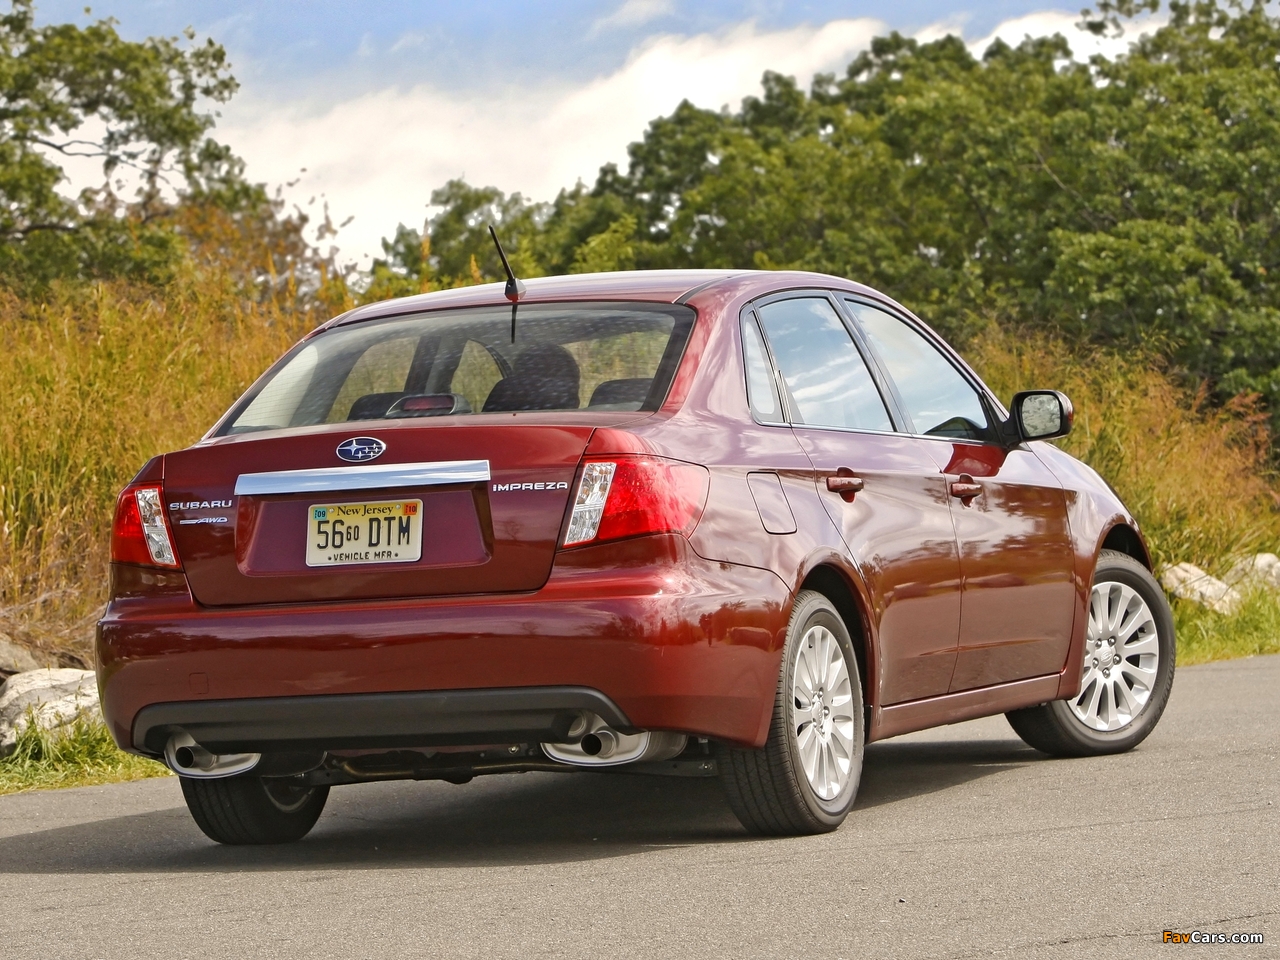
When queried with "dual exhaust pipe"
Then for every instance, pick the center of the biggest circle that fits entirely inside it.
(591, 743)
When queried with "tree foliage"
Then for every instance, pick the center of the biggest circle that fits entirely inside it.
(454, 248)
(1120, 201)
(68, 91)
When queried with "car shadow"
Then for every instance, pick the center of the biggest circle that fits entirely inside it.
(493, 821)
(896, 770)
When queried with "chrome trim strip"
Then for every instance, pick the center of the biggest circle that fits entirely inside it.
(373, 477)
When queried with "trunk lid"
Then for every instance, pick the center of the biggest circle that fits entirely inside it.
(478, 535)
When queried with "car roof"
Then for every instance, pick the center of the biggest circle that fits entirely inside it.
(658, 286)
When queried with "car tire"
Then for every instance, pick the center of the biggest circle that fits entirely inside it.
(805, 778)
(1140, 655)
(253, 810)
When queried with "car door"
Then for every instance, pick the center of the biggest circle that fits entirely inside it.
(880, 486)
(1016, 559)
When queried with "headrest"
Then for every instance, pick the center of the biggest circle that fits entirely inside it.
(545, 378)
(549, 360)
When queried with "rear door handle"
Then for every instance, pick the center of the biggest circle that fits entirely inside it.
(846, 486)
(965, 488)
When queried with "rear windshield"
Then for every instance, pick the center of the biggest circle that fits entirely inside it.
(581, 356)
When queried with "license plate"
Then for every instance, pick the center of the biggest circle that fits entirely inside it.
(386, 531)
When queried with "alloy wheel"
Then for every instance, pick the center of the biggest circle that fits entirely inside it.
(822, 716)
(1121, 656)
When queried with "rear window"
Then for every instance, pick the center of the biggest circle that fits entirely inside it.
(581, 356)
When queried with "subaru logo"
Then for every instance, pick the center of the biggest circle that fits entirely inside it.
(360, 449)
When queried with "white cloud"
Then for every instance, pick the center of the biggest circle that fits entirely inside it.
(378, 156)
(942, 28)
(1083, 44)
(633, 13)
(408, 41)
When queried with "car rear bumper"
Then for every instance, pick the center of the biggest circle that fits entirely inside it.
(681, 644)
(372, 720)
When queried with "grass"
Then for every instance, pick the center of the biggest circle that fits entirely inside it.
(82, 755)
(1198, 479)
(98, 378)
(1205, 636)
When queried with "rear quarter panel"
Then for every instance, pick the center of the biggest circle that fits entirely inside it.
(710, 423)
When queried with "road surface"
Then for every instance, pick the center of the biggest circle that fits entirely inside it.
(964, 843)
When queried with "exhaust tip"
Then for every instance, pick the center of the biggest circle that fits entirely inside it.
(601, 745)
(187, 758)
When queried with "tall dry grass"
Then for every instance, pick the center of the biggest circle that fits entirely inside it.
(1198, 479)
(99, 379)
(93, 383)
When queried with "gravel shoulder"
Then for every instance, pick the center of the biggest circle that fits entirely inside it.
(964, 843)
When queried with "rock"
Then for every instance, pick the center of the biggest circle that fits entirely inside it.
(1189, 582)
(1260, 570)
(55, 697)
(15, 659)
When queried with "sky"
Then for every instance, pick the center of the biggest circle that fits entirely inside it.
(368, 107)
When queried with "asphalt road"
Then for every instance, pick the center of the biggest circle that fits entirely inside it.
(964, 843)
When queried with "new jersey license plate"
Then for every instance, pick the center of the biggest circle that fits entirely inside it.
(385, 531)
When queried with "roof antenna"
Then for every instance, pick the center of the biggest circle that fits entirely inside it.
(515, 288)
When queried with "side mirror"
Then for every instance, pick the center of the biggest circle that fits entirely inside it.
(1042, 414)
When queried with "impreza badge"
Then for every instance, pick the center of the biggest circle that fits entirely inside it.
(361, 449)
(536, 485)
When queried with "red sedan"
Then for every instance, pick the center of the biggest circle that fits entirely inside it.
(700, 522)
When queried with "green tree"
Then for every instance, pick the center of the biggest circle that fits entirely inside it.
(611, 249)
(461, 248)
(1122, 201)
(1126, 201)
(86, 92)
(405, 269)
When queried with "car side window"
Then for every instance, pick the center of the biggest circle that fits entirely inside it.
(826, 378)
(762, 389)
(939, 400)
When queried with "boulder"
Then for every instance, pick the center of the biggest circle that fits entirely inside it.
(56, 698)
(15, 659)
(1260, 570)
(1189, 582)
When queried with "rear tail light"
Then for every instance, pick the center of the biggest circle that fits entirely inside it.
(141, 530)
(631, 496)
